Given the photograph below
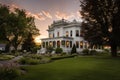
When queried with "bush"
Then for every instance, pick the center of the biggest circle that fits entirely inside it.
(62, 57)
(93, 52)
(35, 56)
(85, 52)
(9, 73)
(6, 57)
(45, 60)
(58, 50)
(73, 49)
(29, 61)
(50, 49)
(104, 53)
(34, 59)
(0, 52)
(63, 53)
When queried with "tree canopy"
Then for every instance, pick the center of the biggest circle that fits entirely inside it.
(101, 23)
(16, 25)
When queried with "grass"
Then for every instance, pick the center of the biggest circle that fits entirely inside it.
(77, 68)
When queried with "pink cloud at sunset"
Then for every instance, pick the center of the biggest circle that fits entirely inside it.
(47, 11)
(47, 14)
(61, 15)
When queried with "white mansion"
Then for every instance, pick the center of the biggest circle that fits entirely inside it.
(65, 34)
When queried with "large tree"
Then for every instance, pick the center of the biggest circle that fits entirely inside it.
(16, 26)
(4, 14)
(101, 22)
(28, 43)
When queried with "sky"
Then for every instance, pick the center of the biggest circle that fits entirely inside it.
(47, 11)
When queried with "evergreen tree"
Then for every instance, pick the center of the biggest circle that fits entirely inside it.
(73, 49)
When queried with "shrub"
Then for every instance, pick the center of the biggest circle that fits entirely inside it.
(62, 57)
(33, 61)
(29, 61)
(104, 53)
(93, 52)
(0, 52)
(49, 49)
(6, 57)
(73, 49)
(58, 50)
(45, 60)
(35, 56)
(63, 53)
(9, 73)
(85, 52)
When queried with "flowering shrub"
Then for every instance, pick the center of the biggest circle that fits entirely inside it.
(9, 72)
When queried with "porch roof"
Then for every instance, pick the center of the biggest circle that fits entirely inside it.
(56, 38)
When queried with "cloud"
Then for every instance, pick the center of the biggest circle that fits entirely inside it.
(78, 14)
(36, 16)
(13, 6)
(47, 14)
(61, 15)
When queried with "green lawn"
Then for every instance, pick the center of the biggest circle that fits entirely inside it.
(78, 68)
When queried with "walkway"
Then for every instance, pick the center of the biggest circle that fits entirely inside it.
(11, 62)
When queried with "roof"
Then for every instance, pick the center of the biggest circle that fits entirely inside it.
(63, 23)
(57, 38)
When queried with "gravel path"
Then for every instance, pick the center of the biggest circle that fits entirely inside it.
(10, 62)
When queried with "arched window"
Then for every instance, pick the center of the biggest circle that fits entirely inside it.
(51, 44)
(81, 44)
(67, 44)
(77, 44)
(54, 43)
(58, 43)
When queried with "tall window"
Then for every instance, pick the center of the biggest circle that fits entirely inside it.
(70, 44)
(77, 44)
(67, 33)
(53, 35)
(58, 43)
(51, 44)
(71, 33)
(81, 44)
(54, 43)
(58, 34)
(43, 44)
(46, 44)
(67, 44)
(77, 33)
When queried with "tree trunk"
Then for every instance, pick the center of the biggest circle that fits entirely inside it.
(113, 49)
